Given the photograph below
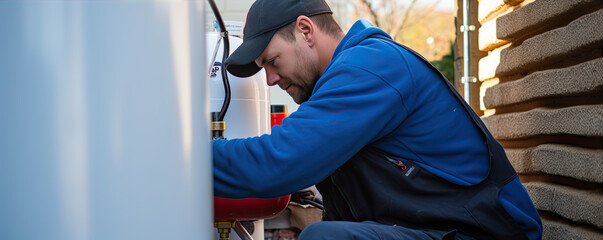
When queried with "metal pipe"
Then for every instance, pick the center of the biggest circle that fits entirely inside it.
(242, 232)
(465, 28)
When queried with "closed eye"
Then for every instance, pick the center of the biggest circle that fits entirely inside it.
(272, 62)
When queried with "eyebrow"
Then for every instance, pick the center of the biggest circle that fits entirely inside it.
(264, 59)
(262, 62)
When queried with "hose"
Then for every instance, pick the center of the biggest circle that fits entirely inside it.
(224, 35)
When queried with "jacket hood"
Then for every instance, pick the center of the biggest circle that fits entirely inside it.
(362, 29)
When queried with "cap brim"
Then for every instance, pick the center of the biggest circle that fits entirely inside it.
(241, 62)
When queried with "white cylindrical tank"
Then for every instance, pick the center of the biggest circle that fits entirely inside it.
(249, 111)
(103, 121)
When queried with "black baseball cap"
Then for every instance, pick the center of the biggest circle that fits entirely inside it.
(264, 18)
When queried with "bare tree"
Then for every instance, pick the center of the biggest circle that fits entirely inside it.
(393, 16)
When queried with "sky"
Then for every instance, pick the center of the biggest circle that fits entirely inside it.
(447, 5)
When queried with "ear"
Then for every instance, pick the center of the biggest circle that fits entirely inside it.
(304, 28)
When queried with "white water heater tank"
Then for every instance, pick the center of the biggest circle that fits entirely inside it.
(103, 121)
(249, 111)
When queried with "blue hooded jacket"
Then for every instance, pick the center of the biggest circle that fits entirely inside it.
(368, 94)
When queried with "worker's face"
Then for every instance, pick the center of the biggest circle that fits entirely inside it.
(291, 66)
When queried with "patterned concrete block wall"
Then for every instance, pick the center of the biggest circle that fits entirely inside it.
(541, 93)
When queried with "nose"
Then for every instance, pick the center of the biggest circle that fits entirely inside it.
(271, 77)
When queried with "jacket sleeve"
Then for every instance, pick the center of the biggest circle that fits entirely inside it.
(350, 108)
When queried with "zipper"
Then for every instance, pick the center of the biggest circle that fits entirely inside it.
(398, 163)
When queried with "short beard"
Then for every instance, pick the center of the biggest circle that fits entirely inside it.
(307, 79)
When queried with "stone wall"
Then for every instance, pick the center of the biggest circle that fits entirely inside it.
(541, 94)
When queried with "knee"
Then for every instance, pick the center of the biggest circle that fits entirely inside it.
(325, 231)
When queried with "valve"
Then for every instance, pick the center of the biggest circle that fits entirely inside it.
(224, 229)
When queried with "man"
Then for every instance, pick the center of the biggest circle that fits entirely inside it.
(391, 146)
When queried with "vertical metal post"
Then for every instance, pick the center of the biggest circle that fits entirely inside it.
(465, 28)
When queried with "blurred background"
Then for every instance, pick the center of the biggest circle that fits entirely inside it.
(427, 26)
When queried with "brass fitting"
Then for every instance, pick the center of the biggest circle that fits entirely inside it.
(218, 125)
(224, 229)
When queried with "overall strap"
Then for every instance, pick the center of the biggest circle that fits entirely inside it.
(498, 159)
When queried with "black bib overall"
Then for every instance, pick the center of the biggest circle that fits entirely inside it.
(371, 186)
